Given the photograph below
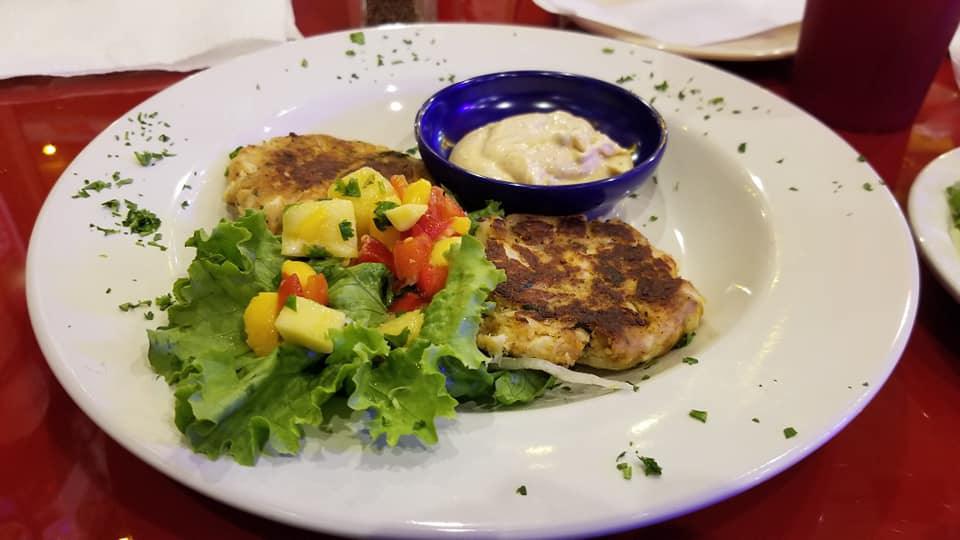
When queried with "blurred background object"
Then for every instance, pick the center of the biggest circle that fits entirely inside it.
(866, 65)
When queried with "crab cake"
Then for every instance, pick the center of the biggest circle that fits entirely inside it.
(283, 170)
(593, 293)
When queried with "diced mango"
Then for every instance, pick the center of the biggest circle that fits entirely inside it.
(328, 225)
(417, 192)
(387, 237)
(300, 268)
(438, 255)
(309, 324)
(364, 187)
(258, 323)
(405, 216)
(411, 320)
(460, 224)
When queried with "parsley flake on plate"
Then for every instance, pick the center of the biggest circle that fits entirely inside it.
(698, 415)
(358, 38)
(742, 148)
(690, 361)
(650, 466)
(522, 490)
(789, 432)
(626, 470)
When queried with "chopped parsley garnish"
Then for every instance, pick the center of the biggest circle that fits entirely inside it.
(380, 219)
(346, 229)
(607, 50)
(690, 361)
(789, 432)
(147, 158)
(317, 252)
(793, 188)
(779, 161)
(626, 470)
(105, 231)
(755, 420)
(113, 205)
(621, 455)
(625, 79)
(653, 218)
(148, 315)
(698, 415)
(357, 37)
(411, 151)
(350, 52)
(184, 204)
(867, 186)
(715, 101)
(127, 306)
(379, 59)
(163, 137)
(140, 220)
(650, 466)
(235, 151)
(861, 159)
(304, 63)
(349, 187)
(107, 291)
(742, 147)
(96, 185)
(163, 302)
(291, 302)
(685, 340)
(522, 490)
(120, 181)
(662, 87)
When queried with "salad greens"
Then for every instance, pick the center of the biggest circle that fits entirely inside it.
(953, 201)
(230, 402)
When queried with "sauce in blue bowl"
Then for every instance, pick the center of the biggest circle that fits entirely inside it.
(460, 108)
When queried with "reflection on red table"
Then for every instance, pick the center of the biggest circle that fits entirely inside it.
(891, 474)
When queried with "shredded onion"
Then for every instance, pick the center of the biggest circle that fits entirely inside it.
(560, 372)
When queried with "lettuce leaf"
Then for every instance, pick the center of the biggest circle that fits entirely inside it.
(520, 386)
(452, 320)
(235, 262)
(361, 291)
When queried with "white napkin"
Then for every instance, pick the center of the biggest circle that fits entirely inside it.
(684, 22)
(78, 37)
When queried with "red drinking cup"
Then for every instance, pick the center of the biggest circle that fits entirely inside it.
(866, 65)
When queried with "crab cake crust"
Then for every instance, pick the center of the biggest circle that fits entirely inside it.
(594, 293)
(284, 170)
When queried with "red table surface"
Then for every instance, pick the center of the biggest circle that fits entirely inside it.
(892, 473)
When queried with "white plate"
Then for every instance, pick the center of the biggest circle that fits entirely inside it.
(811, 285)
(930, 217)
(779, 42)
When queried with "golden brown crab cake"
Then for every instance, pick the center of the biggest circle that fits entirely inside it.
(283, 170)
(589, 292)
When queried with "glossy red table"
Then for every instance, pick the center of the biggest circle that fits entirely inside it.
(892, 473)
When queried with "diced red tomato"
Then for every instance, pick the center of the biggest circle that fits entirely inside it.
(410, 255)
(373, 250)
(289, 286)
(447, 206)
(441, 209)
(316, 289)
(399, 183)
(431, 279)
(408, 301)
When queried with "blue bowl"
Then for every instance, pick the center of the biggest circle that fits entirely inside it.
(460, 108)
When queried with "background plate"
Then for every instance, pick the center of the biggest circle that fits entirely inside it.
(767, 212)
(930, 218)
(779, 42)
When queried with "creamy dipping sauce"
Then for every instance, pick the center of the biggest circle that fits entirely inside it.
(543, 149)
